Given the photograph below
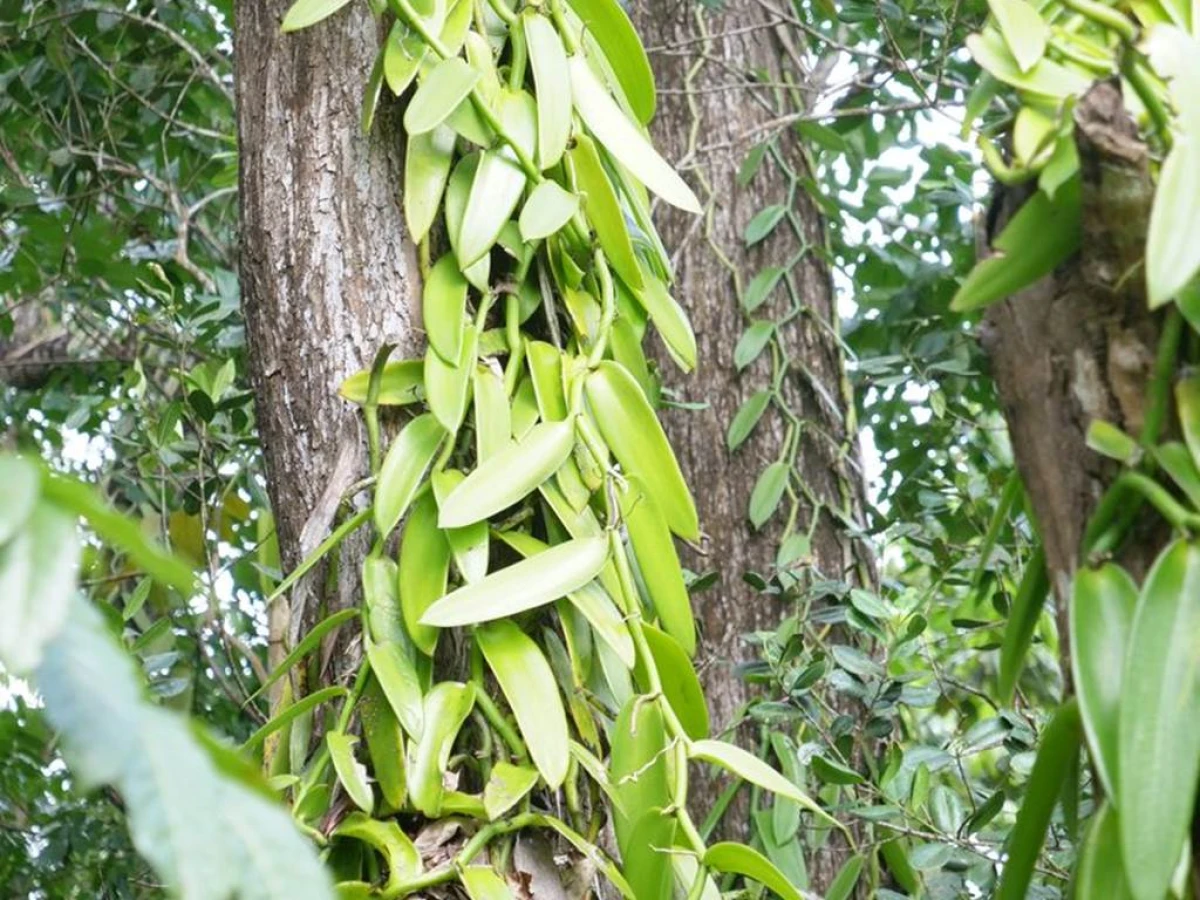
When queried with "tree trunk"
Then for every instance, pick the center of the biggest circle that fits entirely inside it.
(328, 275)
(710, 115)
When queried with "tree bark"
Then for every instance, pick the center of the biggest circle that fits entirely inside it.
(328, 273)
(710, 115)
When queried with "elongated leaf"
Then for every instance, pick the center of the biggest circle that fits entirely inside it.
(846, 879)
(623, 140)
(403, 468)
(526, 585)
(1187, 401)
(607, 22)
(646, 856)
(680, 684)
(448, 85)
(458, 192)
(506, 786)
(498, 181)
(397, 678)
(399, 384)
(1159, 731)
(1059, 747)
(448, 386)
(309, 643)
(1023, 29)
(529, 686)
(403, 858)
(752, 343)
(1176, 460)
(603, 210)
(670, 320)
(748, 766)
(1172, 257)
(1043, 234)
(385, 744)
(761, 286)
(1102, 605)
(402, 57)
(446, 707)
(659, 563)
(1101, 871)
(552, 80)
(1023, 617)
(638, 765)
(547, 210)
(636, 438)
(426, 170)
(509, 476)
(20, 482)
(424, 568)
(444, 306)
(380, 598)
(468, 545)
(768, 492)
(290, 713)
(742, 860)
(483, 883)
(1046, 78)
(493, 415)
(746, 418)
(545, 363)
(304, 13)
(350, 772)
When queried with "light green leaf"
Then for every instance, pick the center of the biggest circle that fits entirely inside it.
(456, 26)
(1023, 617)
(609, 25)
(680, 684)
(768, 492)
(1187, 401)
(553, 83)
(1159, 730)
(443, 308)
(752, 343)
(482, 883)
(748, 766)
(468, 544)
(397, 677)
(402, 57)
(509, 476)
(637, 440)
(350, 772)
(526, 585)
(399, 384)
(638, 768)
(403, 468)
(545, 363)
(447, 385)
(547, 210)
(458, 191)
(670, 320)
(447, 85)
(1059, 748)
(380, 598)
(447, 706)
(304, 13)
(290, 713)
(1102, 606)
(846, 879)
(654, 548)
(19, 486)
(646, 856)
(603, 209)
(493, 415)
(1101, 871)
(309, 643)
(739, 859)
(1023, 29)
(623, 140)
(424, 568)
(1172, 253)
(506, 786)
(529, 686)
(1046, 79)
(403, 857)
(1107, 439)
(1176, 461)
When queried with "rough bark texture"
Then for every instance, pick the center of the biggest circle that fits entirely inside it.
(708, 118)
(1079, 346)
(328, 274)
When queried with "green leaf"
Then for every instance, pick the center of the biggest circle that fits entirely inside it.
(38, 572)
(846, 879)
(399, 384)
(291, 713)
(444, 88)
(20, 482)
(746, 418)
(483, 883)
(1172, 253)
(607, 23)
(748, 766)
(623, 140)
(403, 857)
(654, 548)
(637, 440)
(403, 55)
(1055, 759)
(444, 307)
(309, 643)
(385, 744)
(638, 765)
(763, 223)
(739, 859)
(1159, 730)
(424, 568)
(498, 181)
(427, 161)
(670, 320)
(506, 786)
(552, 81)
(403, 469)
(545, 363)
(1043, 234)
(1023, 617)
(448, 385)
(397, 678)
(761, 286)
(1175, 459)
(603, 209)
(371, 92)
(1101, 870)
(752, 343)
(768, 492)
(646, 855)
(350, 772)
(380, 599)
(529, 686)
(493, 415)
(680, 684)
(469, 544)
(1102, 606)
(304, 13)
(447, 706)
(1187, 401)
(1109, 440)
(509, 476)
(547, 210)
(525, 585)
(832, 772)
(1023, 29)
(1046, 78)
